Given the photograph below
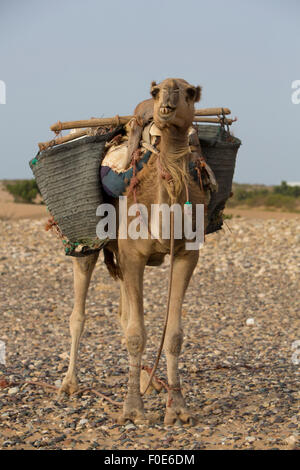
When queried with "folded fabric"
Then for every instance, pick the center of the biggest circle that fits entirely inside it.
(115, 183)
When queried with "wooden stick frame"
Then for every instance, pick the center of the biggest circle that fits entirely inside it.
(201, 115)
(119, 120)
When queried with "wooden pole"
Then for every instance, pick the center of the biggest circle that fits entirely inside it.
(80, 133)
(212, 111)
(62, 140)
(95, 122)
(216, 120)
(118, 120)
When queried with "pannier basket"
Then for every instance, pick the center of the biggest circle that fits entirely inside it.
(219, 148)
(68, 178)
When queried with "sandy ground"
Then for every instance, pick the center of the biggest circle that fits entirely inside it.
(10, 210)
(239, 364)
(261, 213)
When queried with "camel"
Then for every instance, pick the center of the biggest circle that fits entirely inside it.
(165, 179)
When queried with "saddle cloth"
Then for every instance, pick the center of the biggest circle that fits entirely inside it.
(116, 168)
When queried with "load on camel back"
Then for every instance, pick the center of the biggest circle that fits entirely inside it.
(102, 158)
(166, 154)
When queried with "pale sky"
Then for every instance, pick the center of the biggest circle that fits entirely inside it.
(71, 59)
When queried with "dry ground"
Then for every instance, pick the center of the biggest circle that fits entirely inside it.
(241, 381)
(9, 210)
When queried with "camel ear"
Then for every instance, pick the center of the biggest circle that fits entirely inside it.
(194, 93)
(198, 93)
(154, 89)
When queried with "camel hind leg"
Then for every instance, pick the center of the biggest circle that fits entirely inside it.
(123, 315)
(132, 320)
(82, 269)
(183, 269)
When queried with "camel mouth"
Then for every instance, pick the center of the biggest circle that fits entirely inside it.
(166, 111)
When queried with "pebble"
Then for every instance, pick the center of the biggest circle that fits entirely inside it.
(13, 390)
(291, 440)
(83, 422)
(130, 427)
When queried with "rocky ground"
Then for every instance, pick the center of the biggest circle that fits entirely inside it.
(240, 364)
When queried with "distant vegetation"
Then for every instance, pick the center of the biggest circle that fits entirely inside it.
(23, 190)
(282, 197)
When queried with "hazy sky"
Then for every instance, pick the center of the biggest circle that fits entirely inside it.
(71, 59)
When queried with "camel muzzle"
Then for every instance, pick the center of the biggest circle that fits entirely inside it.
(166, 110)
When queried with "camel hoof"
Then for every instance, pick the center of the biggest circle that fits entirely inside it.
(178, 417)
(68, 387)
(133, 410)
(123, 420)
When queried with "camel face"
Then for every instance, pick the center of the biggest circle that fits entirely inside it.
(174, 102)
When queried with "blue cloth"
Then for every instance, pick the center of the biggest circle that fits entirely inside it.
(115, 184)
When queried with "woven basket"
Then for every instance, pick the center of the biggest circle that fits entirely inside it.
(220, 150)
(68, 177)
(69, 180)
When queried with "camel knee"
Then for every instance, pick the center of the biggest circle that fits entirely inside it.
(77, 320)
(135, 340)
(173, 343)
(124, 321)
(86, 263)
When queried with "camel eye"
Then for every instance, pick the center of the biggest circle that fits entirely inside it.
(155, 91)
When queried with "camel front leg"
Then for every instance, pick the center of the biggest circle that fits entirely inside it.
(133, 324)
(183, 269)
(123, 307)
(82, 269)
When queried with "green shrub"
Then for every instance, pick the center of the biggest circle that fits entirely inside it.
(286, 190)
(281, 201)
(283, 197)
(227, 216)
(241, 195)
(23, 190)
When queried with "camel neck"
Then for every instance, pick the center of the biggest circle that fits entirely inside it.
(174, 142)
(172, 165)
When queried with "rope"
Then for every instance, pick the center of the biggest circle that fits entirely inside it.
(134, 182)
(168, 302)
(60, 127)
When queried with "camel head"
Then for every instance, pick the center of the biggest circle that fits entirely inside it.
(174, 101)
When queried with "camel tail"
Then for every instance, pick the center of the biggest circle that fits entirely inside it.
(111, 264)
